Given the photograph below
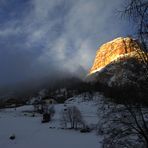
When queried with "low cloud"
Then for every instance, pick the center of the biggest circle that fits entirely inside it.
(47, 37)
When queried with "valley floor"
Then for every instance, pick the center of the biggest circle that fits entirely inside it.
(31, 133)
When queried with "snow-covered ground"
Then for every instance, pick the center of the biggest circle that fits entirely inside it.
(31, 133)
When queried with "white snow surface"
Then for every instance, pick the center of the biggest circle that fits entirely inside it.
(31, 133)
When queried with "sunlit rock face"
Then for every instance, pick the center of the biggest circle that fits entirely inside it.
(119, 62)
(115, 50)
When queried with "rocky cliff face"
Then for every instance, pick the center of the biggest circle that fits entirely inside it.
(119, 62)
(115, 50)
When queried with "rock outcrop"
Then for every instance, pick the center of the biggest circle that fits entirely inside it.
(119, 62)
(115, 50)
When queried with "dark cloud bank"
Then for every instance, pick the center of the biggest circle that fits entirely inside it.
(43, 40)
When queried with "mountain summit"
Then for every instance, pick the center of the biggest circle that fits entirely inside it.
(119, 62)
(115, 50)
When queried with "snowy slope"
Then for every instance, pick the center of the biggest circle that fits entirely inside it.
(87, 106)
(31, 133)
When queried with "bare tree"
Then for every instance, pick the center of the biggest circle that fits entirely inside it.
(71, 115)
(137, 10)
(124, 126)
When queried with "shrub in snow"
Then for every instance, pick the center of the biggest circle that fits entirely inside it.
(46, 117)
(12, 137)
(85, 130)
(52, 110)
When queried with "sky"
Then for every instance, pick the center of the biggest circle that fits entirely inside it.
(49, 38)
